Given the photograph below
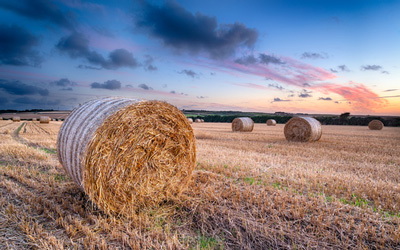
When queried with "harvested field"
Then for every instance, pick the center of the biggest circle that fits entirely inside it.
(248, 191)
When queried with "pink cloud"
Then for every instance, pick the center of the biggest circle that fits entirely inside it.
(360, 96)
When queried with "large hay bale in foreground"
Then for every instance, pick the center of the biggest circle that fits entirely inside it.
(16, 119)
(190, 120)
(375, 125)
(242, 124)
(303, 129)
(271, 122)
(127, 154)
(44, 119)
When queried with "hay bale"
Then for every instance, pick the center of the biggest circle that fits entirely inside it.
(375, 125)
(44, 119)
(16, 119)
(190, 120)
(1, 118)
(127, 154)
(271, 122)
(303, 129)
(201, 120)
(242, 124)
(34, 119)
(197, 120)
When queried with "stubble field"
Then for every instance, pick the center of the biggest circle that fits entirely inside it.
(249, 191)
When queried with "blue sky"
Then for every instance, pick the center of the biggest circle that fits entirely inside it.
(267, 56)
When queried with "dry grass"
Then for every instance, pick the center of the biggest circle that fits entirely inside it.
(249, 191)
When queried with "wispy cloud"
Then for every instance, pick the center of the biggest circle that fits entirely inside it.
(389, 90)
(110, 85)
(189, 72)
(325, 98)
(277, 99)
(373, 67)
(314, 55)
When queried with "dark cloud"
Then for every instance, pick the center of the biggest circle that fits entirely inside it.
(371, 67)
(277, 99)
(63, 82)
(76, 45)
(174, 92)
(277, 86)
(336, 102)
(42, 10)
(306, 85)
(201, 97)
(189, 72)
(384, 72)
(267, 59)
(110, 84)
(314, 55)
(144, 86)
(268, 79)
(212, 73)
(325, 99)
(178, 28)
(88, 67)
(17, 46)
(305, 94)
(36, 102)
(128, 86)
(389, 90)
(343, 68)
(333, 70)
(148, 63)
(246, 60)
(292, 95)
(19, 88)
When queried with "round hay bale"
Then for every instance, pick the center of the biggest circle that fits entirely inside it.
(303, 129)
(271, 122)
(33, 119)
(16, 119)
(197, 120)
(44, 119)
(242, 124)
(1, 118)
(201, 120)
(375, 125)
(127, 154)
(190, 120)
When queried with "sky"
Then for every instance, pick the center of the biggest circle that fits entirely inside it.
(326, 57)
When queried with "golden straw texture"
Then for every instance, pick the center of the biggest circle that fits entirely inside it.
(44, 119)
(271, 122)
(16, 119)
(128, 154)
(375, 125)
(242, 124)
(303, 129)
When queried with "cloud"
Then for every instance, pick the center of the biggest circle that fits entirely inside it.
(88, 67)
(42, 10)
(343, 68)
(277, 86)
(19, 88)
(333, 70)
(76, 45)
(144, 86)
(189, 72)
(267, 59)
(384, 72)
(251, 85)
(361, 97)
(277, 99)
(306, 85)
(179, 29)
(371, 67)
(201, 97)
(305, 94)
(148, 63)
(246, 60)
(389, 90)
(314, 55)
(67, 89)
(63, 82)
(325, 98)
(110, 84)
(17, 46)
(176, 93)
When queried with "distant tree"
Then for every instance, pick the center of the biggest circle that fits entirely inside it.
(344, 116)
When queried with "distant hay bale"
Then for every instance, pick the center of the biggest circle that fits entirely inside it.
(375, 125)
(197, 120)
(33, 119)
(303, 129)
(190, 120)
(127, 154)
(16, 119)
(1, 118)
(44, 119)
(271, 122)
(202, 120)
(242, 124)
